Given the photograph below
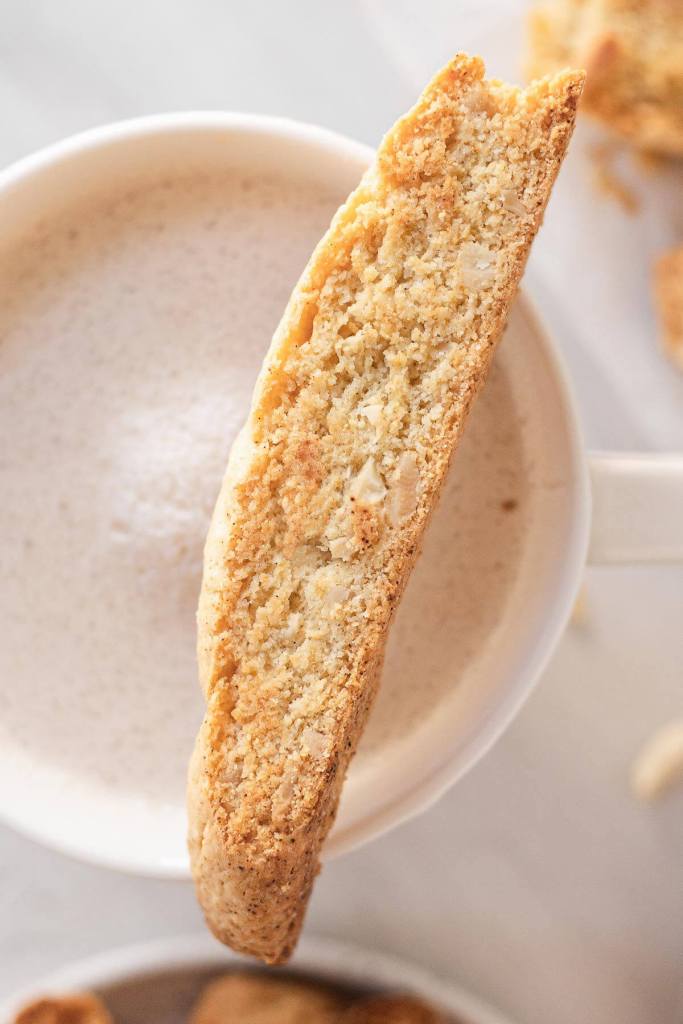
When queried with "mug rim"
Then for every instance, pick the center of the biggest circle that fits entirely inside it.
(169, 122)
(427, 790)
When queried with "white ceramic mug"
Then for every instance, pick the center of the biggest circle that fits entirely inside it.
(609, 508)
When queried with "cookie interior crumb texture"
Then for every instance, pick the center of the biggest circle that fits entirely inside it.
(632, 51)
(356, 414)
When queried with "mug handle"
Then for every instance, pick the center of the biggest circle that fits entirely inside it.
(637, 508)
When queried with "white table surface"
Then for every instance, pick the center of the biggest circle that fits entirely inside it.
(538, 882)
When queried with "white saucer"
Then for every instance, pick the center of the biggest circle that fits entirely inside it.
(157, 983)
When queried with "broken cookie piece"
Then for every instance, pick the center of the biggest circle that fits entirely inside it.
(81, 1008)
(632, 51)
(242, 998)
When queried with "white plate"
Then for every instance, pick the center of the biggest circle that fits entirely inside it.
(157, 983)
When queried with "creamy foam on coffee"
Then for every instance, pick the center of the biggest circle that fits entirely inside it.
(131, 331)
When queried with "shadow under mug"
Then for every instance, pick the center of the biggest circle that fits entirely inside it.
(609, 508)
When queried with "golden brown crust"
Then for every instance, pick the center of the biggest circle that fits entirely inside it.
(632, 51)
(357, 412)
(668, 289)
(82, 1008)
(242, 998)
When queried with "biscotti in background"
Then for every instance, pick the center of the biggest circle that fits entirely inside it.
(632, 51)
(79, 1008)
(241, 998)
(244, 997)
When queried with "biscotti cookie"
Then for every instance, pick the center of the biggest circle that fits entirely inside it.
(632, 51)
(240, 998)
(392, 1010)
(356, 414)
(81, 1008)
(668, 288)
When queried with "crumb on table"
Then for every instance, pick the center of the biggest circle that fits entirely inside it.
(660, 762)
(668, 293)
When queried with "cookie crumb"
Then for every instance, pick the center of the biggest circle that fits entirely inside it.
(668, 294)
(608, 180)
(660, 762)
(579, 615)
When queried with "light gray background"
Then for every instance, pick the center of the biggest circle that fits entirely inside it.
(539, 883)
